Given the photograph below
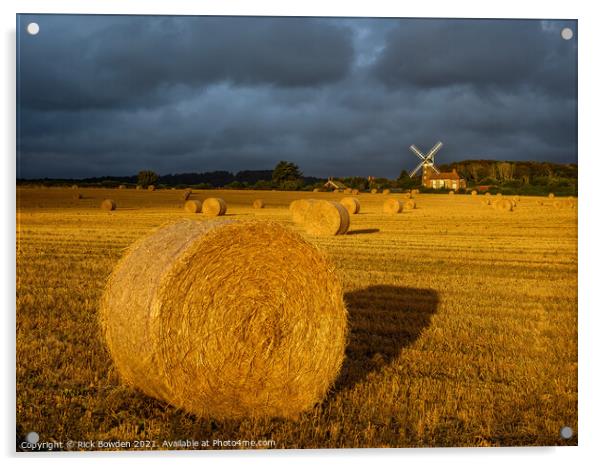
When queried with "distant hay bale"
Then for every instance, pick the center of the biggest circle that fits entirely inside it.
(138, 187)
(194, 207)
(374, 190)
(409, 204)
(258, 204)
(551, 195)
(355, 192)
(504, 204)
(122, 186)
(77, 196)
(351, 204)
(386, 192)
(473, 193)
(151, 187)
(108, 204)
(214, 206)
(186, 194)
(348, 191)
(392, 206)
(326, 218)
(414, 191)
(185, 323)
(298, 209)
(499, 194)
(74, 186)
(316, 190)
(487, 194)
(451, 193)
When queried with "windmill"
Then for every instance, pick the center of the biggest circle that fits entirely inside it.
(427, 161)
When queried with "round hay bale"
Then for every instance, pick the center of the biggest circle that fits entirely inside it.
(138, 187)
(415, 191)
(77, 196)
(108, 204)
(214, 206)
(473, 193)
(74, 186)
(451, 193)
(316, 190)
(326, 218)
(151, 187)
(122, 186)
(499, 195)
(392, 206)
(348, 191)
(258, 204)
(298, 209)
(186, 194)
(488, 194)
(355, 192)
(184, 322)
(409, 204)
(374, 191)
(194, 207)
(551, 195)
(386, 192)
(504, 204)
(351, 204)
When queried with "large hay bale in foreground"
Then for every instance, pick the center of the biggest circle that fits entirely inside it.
(108, 204)
(193, 207)
(186, 194)
(185, 323)
(351, 204)
(151, 187)
(326, 218)
(392, 206)
(504, 204)
(258, 204)
(409, 204)
(214, 206)
(298, 209)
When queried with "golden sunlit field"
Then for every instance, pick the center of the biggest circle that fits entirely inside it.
(463, 323)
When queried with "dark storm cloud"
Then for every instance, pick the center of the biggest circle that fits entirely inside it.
(113, 95)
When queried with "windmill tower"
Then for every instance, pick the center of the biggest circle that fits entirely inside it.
(427, 162)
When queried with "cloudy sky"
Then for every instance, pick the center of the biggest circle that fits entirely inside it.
(111, 95)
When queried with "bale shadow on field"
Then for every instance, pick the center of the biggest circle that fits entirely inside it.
(365, 231)
(383, 320)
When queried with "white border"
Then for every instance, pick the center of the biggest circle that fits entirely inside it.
(590, 105)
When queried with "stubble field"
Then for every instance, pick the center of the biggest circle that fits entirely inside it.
(463, 323)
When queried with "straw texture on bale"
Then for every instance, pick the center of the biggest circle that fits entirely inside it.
(374, 190)
(504, 204)
(409, 204)
(499, 194)
(355, 192)
(207, 318)
(258, 204)
(74, 186)
(138, 187)
(194, 207)
(108, 204)
(326, 218)
(415, 191)
(473, 193)
(351, 204)
(486, 201)
(214, 206)
(151, 187)
(298, 209)
(316, 190)
(186, 194)
(392, 206)
(122, 186)
(386, 192)
(551, 195)
(487, 194)
(408, 195)
(451, 193)
(347, 190)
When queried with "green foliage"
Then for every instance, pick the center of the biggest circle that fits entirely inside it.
(147, 177)
(286, 171)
